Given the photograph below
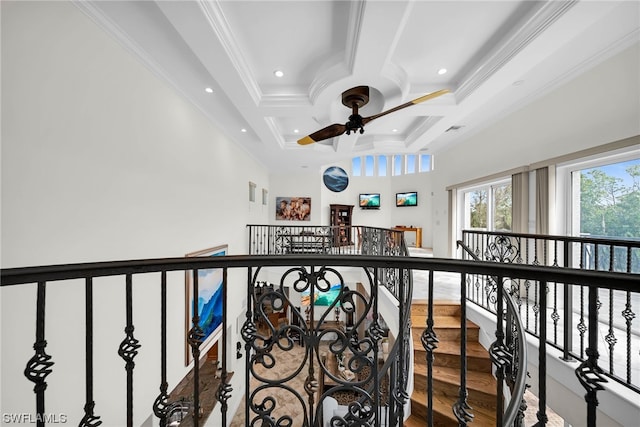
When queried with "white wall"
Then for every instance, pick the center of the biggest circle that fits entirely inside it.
(102, 161)
(600, 106)
(311, 184)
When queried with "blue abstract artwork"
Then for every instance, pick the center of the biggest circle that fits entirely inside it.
(209, 301)
(335, 179)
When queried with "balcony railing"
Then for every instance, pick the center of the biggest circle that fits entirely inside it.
(570, 308)
(378, 395)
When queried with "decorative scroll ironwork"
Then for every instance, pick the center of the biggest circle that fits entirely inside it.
(39, 366)
(429, 342)
(161, 403)
(129, 346)
(591, 377)
(324, 339)
(628, 316)
(502, 249)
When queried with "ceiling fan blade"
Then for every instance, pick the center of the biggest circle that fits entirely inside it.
(423, 98)
(325, 133)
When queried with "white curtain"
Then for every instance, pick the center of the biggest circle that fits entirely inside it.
(542, 212)
(520, 202)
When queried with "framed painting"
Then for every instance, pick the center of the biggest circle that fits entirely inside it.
(293, 208)
(208, 302)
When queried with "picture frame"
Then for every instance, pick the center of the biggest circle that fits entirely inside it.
(293, 209)
(209, 302)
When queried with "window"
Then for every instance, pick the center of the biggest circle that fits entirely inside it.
(425, 162)
(368, 168)
(397, 165)
(475, 206)
(356, 166)
(502, 206)
(411, 163)
(382, 165)
(608, 199)
(252, 191)
(265, 196)
(487, 207)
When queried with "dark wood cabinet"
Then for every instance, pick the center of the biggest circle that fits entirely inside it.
(341, 224)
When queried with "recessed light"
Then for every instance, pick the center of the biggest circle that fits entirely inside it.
(518, 82)
(208, 90)
(304, 166)
(394, 130)
(278, 73)
(296, 131)
(442, 71)
(243, 130)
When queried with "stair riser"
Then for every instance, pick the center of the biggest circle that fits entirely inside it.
(475, 398)
(438, 310)
(453, 361)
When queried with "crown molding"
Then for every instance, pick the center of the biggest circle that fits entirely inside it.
(522, 36)
(218, 23)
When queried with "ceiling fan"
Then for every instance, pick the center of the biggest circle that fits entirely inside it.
(355, 98)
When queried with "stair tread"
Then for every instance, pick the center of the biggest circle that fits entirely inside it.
(483, 382)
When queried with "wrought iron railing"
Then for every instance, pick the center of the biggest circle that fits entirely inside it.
(318, 239)
(509, 351)
(569, 309)
(302, 272)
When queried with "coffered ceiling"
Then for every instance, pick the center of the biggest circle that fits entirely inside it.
(499, 56)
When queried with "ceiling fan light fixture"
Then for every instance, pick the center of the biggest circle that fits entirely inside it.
(355, 98)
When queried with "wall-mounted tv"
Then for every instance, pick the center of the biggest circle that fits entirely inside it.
(409, 198)
(369, 200)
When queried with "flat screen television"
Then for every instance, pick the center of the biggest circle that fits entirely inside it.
(409, 198)
(369, 200)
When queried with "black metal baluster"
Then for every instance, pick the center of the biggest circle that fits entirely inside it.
(430, 343)
(128, 349)
(582, 327)
(527, 287)
(554, 314)
(195, 339)
(224, 390)
(499, 352)
(461, 408)
(160, 405)
(535, 308)
(567, 342)
(401, 395)
(542, 359)
(589, 373)
(610, 338)
(89, 419)
(628, 315)
(39, 366)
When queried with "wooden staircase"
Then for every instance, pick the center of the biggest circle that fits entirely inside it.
(481, 384)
